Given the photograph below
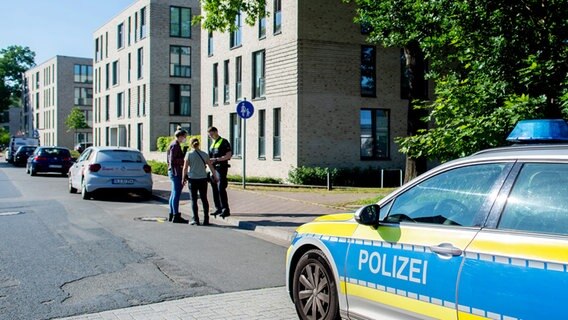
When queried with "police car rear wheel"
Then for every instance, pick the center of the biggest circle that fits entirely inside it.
(314, 288)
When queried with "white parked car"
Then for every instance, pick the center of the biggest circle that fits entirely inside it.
(101, 168)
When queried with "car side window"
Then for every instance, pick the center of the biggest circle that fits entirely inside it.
(84, 155)
(453, 197)
(538, 201)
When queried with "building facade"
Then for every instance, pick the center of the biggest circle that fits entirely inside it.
(10, 120)
(322, 95)
(147, 71)
(50, 91)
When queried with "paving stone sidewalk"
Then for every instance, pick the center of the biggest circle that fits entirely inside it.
(262, 304)
(274, 213)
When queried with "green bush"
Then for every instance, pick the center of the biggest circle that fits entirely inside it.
(162, 143)
(238, 178)
(345, 177)
(310, 175)
(158, 167)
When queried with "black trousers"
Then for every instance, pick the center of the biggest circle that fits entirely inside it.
(220, 191)
(199, 186)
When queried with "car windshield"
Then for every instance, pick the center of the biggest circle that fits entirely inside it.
(54, 152)
(119, 156)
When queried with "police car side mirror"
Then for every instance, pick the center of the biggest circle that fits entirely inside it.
(368, 215)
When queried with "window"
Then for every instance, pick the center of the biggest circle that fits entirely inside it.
(238, 78)
(120, 36)
(101, 52)
(210, 43)
(180, 22)
(375, 135)
(144, 100)
(235, 134)
(97, 49)
(539, 200)
(180, 100)
(277, 16)
(276, 140)
(99, 80)
(215, 84)
(120, 105)
(83, 96)
(258, 72)
(129, 104)
(138, 101)
(420, 74)
(135, 26)
(261, 134)
(236, 36)
(140, 62)
(83, 73)
(107, 108)
(129, 67)
(456, 197)
(115, 73)
(180, 61)
(106, 44)
(262, 27)
(209, 125)
(142, 23)
(226, 81)
(368, 71)
(183, 125)
(107, 78)
(129, 29)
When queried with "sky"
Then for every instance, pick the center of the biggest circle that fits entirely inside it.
(56, 27)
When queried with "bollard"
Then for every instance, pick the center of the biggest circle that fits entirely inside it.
(382, 178)
(328, 180)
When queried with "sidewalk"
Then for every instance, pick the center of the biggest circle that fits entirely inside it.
(273, 213)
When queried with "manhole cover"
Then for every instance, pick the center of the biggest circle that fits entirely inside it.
(151, 219)
(12, 213)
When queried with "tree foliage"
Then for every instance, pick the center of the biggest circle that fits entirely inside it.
(14, 60)
(493, 63)
(219, 15)
(76, 120)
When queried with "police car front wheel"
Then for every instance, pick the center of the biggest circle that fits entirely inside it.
(314, 288)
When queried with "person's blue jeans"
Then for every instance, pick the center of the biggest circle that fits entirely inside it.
(176, 192)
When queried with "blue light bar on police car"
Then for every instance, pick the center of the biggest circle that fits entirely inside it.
(539, 131)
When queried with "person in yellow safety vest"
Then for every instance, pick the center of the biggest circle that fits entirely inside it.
(220, 153)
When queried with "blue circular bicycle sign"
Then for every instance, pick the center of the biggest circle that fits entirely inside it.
(245, 109)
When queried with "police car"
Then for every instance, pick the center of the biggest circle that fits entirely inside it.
(482, 237)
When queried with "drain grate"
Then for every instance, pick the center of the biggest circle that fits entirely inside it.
(151, 219)
(10, 213)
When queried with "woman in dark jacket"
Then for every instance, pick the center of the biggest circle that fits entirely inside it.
(175, 172)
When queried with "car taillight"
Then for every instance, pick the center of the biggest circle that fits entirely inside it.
(94, 167)
(147, 168)
(66, 159)
(38, 158)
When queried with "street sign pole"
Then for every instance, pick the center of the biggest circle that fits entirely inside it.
(245, 153)
(245, 110)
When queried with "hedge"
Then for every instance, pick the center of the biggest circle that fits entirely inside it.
(348, 177)
(158, 167)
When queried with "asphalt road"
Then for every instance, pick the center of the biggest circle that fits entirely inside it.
(62, 256)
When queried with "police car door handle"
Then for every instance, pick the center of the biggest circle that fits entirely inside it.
(446, 249)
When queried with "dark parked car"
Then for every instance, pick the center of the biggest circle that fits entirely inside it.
(21, 156)
(49, 159)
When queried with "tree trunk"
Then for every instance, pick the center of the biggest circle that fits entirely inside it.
(415, 68)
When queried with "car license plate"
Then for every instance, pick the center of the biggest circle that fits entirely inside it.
(123, 181)
(55, 166)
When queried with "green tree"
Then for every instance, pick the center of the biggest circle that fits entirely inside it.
(4, 137)
(76, 120)
(14, 61)
(220, 14)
